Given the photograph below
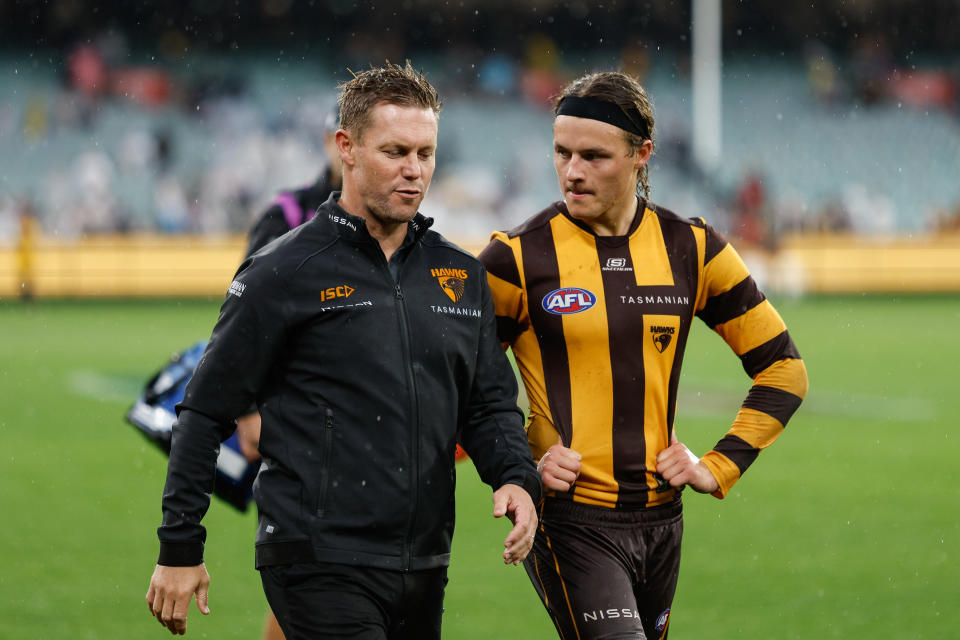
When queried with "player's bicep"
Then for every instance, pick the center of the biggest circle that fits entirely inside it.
(510, 306)
(506, 287)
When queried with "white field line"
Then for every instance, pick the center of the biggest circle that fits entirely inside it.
(695, 399)
(699, 399)
(91, 384)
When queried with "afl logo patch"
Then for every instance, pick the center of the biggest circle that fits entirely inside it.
(662, 619)
(569, 300)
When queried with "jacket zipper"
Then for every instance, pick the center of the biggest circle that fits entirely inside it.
(325, 462)
(414, 431)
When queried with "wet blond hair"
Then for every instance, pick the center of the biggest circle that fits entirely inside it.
(393, 84)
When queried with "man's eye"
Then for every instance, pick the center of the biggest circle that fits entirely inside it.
(425, 155)
(563, 153)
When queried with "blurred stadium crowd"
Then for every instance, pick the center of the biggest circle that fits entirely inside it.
(188, 117)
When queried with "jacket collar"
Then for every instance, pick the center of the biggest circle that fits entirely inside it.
(354, 228)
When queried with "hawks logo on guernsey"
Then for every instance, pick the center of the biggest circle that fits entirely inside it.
(662, 336)
(569, 300)
(452, 281)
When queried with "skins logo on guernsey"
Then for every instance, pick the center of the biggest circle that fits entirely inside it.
(568, 300)
(341, 291)
(452, 281)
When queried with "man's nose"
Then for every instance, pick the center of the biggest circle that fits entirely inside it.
(575, 168)
(411, 168)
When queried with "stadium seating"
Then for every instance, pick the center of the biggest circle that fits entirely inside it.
(891, 166)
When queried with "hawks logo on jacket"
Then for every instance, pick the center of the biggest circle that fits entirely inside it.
(452, 281)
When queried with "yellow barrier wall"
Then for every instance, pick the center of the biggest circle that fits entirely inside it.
(127, 266)
(848, 263)
(152, 265)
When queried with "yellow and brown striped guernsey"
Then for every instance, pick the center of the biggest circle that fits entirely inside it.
(598, 326)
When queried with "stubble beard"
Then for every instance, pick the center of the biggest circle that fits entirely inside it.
(583, 211)
(387, 215)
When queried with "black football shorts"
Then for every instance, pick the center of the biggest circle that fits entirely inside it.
(607, 573)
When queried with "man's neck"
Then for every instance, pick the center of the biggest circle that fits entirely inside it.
(389, 235)
(336, 177)
(618, 222)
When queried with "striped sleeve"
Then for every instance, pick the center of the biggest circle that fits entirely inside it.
(734, 307)
(509, 297)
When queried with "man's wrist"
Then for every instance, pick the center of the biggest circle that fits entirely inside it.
(531, 484)
(180, 554)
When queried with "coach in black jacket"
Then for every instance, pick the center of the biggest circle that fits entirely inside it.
(369, 344)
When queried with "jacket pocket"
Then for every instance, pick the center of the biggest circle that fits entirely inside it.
(325, 458)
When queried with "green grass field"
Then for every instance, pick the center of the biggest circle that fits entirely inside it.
(848, 527)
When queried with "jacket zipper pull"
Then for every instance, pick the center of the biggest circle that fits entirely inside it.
(399, 293)
(325, 468)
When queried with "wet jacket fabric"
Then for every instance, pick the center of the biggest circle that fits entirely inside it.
(365, 382)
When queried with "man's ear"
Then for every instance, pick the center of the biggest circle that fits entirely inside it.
(346, 147)
(642, 154)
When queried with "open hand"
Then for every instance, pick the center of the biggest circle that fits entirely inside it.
(514, 502)
(171, 589)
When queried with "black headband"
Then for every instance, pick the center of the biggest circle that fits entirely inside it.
(595, 109)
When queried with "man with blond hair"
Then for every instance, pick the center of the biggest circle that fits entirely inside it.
(368, 343)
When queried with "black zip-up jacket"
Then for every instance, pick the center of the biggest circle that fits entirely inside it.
(364, 384)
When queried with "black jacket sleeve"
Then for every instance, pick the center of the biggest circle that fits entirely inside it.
(241, 351)
(492, 430)
(271, 225)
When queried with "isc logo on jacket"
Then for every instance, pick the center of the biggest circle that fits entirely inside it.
(568, 300)
(342, 291)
